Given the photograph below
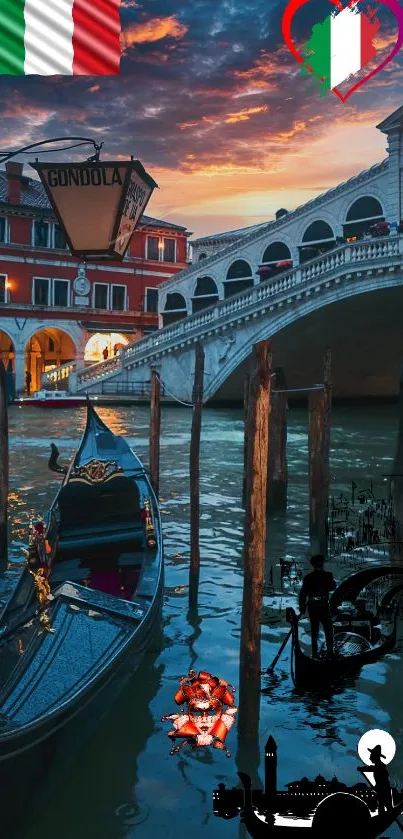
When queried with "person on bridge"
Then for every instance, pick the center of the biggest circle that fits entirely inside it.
(314, 594)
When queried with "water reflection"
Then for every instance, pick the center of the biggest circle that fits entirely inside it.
(131, 749)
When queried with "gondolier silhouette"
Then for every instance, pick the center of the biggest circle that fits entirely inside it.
(314, 594)
(381, 778)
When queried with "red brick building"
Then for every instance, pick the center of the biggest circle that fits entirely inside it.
(51, 314)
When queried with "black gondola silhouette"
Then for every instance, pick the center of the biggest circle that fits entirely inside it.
(329, 808)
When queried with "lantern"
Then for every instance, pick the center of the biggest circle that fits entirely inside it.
(98, 204)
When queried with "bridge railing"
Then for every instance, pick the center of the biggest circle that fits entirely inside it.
(346, 255)
(127, 388)
(57, 375)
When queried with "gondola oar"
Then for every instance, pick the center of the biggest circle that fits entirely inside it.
(276, 658)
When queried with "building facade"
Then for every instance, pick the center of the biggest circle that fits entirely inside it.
(53, 310)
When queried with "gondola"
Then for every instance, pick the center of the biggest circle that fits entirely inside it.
(352, 651)
(357, 642)
(337, 815)
(60, 655)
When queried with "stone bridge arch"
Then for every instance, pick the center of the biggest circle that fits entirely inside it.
(234, 346)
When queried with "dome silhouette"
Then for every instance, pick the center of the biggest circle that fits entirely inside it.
(341, 814)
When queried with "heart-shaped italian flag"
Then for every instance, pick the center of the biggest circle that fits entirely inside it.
(342, 44)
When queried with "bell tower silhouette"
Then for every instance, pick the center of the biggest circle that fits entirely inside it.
(270, 775)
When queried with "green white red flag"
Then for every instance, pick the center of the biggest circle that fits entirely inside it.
(60, 37)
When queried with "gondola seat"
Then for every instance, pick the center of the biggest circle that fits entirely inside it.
(97, 516)
(101, 537)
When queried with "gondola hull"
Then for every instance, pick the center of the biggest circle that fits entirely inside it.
(50, 758)
(258, 829)
(310, 674)
(57, 674)
(339, 815)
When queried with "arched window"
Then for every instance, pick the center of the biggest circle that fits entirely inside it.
(317, 239)
(276, 252)
(206, 294)
(318, 231)
(202, 256)
(239, 277)
(365, 207)
(275, 257)
(364, 212)
(175, 308)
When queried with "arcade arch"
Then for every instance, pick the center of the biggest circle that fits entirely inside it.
(317, 239)
(7, 349)
(175, 308)
(47, 348)
(275, 259)
(205, 295)
(104, 345)
(239, 278)
(362, 213)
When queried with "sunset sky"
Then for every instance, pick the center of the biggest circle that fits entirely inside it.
(217, 109)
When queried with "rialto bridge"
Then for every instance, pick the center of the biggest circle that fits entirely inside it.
(320, 286)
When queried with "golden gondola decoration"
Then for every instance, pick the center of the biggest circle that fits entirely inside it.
(149, 523)
(96, 472)
(39, 554)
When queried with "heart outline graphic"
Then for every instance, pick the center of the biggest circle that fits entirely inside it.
(293, 6)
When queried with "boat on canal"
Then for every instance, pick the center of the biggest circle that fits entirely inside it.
(358, 639)
(318, 808)
(338, 814)
(87, 606)
(52, 399)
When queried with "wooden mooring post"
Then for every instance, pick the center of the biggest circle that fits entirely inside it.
(155, 431)
(245, 435)
(319, 430)
(255, 514)
(197, 400)
(277, 476)
(3, 467)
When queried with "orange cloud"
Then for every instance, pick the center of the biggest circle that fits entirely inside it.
(226, 119)
(381, 41)
(155, 29)
(245, 114)
(266, 65)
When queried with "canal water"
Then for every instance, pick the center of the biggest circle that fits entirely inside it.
(123, 782)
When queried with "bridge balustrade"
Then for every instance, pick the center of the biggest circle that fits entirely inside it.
(326, 264)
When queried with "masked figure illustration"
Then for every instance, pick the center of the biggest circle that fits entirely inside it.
(205, 721)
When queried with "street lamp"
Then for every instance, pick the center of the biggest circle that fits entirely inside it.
(98, 204)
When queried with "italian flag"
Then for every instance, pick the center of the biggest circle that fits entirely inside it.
(340, 46)
(60, 37)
